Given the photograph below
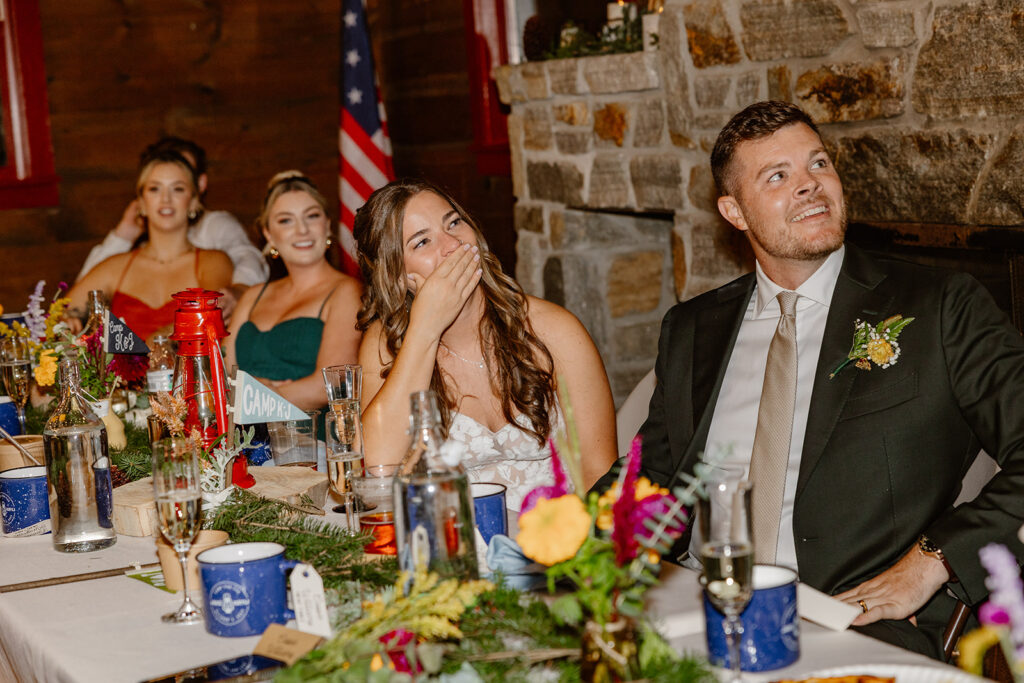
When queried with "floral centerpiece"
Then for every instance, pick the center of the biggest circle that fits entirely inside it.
(608, 549)
(215, 463)
(44, 330)
(1002, 617)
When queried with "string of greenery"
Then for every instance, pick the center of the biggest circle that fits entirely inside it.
(626, 37)
(336, 553)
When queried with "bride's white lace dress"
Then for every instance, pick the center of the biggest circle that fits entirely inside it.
(508, 456)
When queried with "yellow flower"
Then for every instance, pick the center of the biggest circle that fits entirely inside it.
(973, 647)
(47, 368)
(880, 351)
(554, 529)
(644, 488)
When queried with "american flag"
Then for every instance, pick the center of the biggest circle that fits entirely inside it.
(365, 162)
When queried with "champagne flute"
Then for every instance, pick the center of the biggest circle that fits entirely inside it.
(727, 552)
(16, 367)
(344, 385)
(178, 502)
(344, 439)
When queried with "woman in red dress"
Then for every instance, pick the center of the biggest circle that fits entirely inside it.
(139, 284)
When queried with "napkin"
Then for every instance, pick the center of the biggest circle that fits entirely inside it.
(823, 609)
(504, 557)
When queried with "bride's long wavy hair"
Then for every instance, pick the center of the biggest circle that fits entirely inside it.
(520, 364)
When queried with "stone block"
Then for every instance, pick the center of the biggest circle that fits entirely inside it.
(701, 189)
(779, 87)
(708, 35)
(973, 64)
(914, 176)
(558, 181)
(573, 113)
(535, 81)
(716, 253)
(537, 128)
(527, 217)
(573, 141)
(637, 341)
(650, 122)
(781, 29)
(515, 138)
(657, 181)
(600, 231)
(621, 73)
(609, 182)
(882, 26)
(509, 79)
(585, 299)
(672, 41)
(1001, 190)
(610, 123)
(554, 282)
(852, 92)
(748, 89)
(564, 76)
(530, 257)
(634, 283)
(710, 91)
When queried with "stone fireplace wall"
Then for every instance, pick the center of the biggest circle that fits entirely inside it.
(921, 104)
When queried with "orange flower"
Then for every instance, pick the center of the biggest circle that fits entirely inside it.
(644, 489)
(880, 351)
(554, 529)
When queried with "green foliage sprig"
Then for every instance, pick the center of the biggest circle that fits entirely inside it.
(336, 553)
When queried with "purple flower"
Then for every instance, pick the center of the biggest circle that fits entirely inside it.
(1006, 598)
(35, 316)
(628, 517)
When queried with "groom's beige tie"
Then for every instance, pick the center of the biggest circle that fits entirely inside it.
(770, 457)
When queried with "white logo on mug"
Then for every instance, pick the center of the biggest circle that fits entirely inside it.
(231, 601)
(7, 507)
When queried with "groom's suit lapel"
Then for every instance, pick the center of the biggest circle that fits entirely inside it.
(859, 295)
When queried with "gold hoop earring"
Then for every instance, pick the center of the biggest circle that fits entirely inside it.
(274, 253)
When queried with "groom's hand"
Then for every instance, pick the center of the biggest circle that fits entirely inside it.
(899, 591)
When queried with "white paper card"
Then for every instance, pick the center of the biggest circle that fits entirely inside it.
(823, 609)
(309, 602)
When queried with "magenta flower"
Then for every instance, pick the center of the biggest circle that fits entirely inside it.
(396, 642)
(628, 518)
(558, 489)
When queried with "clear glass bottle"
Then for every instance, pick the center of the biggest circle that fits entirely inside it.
(78, 470)
(434, 522)
(95, 308)
(160, 375)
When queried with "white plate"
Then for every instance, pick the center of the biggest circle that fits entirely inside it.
(903, 673)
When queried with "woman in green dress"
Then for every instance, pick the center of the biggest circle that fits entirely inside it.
(283, 332)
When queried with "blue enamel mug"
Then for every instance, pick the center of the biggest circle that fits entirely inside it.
(771, 624)
(244, 588)
(489, 509)
(24, 501)
(9, 416)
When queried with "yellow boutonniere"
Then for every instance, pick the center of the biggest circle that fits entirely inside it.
(875, 344)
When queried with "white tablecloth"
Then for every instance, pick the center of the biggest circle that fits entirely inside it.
(109, 629)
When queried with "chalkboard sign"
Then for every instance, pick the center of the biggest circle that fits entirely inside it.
(119, 338)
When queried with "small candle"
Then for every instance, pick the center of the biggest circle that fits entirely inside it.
(615, 13)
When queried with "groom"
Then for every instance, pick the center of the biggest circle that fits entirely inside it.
(874, 455)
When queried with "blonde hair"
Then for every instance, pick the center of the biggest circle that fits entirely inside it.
(282, 183)
(172, 157)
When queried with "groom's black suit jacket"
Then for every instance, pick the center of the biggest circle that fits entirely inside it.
(886, 449)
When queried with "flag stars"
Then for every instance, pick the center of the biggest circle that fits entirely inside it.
(355, 96)
(352, 57)
(350, 19)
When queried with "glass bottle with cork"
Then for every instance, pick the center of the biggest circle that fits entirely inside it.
(78, 470)
(434, 523)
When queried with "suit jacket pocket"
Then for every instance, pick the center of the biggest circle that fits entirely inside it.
(881, 398)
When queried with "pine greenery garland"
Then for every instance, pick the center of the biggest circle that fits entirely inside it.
(336, 553)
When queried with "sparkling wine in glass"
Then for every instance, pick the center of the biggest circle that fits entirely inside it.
(178, 505)
(727, 552)
(344, 457)
(16, 368)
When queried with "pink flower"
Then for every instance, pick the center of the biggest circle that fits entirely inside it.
(396, 642)
(560, 487)
(627, 515)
